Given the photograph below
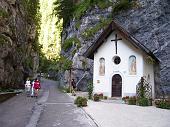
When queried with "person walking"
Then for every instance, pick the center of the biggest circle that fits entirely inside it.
(32, 88)
(37, 87)
(27, 87)
(73, 85)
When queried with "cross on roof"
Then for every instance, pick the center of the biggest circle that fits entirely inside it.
(115, 40)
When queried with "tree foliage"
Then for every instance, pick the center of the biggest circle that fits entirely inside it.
(64, 10)
(58, 64)
(67, 9)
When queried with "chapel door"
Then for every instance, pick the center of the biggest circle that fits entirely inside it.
(116, 86)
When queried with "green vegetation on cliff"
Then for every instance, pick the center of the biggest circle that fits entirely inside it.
(3, 13)
(68, 43)
(90, 32)
(3, 39)
(67, 9)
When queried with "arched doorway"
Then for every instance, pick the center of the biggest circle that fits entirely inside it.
(116, 85)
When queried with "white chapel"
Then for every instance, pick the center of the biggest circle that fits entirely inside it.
(119, 63)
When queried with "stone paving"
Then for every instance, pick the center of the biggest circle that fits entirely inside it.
(114, 113)
(107, 114)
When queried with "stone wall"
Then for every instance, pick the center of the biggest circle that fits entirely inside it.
(17, 35)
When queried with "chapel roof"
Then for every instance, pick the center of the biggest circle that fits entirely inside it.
(114, 25)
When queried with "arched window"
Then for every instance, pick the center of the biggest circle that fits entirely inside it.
(132, 65)
(102, 67)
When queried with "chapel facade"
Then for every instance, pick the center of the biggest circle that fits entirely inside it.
(119, 63)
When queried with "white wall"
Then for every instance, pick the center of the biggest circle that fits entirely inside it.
(148, 70)
(107, 51)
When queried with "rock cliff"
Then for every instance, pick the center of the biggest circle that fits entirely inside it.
(18, 57)
(148, 22)
(82, 69)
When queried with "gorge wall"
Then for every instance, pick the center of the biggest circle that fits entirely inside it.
(18, 55)
(148, 22)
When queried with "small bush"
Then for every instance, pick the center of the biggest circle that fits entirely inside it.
(3, 13)
(100, 95)
(65, 89)
(105, 97)
(121, 5)
(68, 43)
(78, 24)
(80, 101)
(125, 99)
(163, 103)
(132, 100)
(90, 89)
(143, 101)
(96, 97)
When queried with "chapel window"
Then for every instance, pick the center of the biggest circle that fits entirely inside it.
(132, 65)
(102, 66)
(116, 60)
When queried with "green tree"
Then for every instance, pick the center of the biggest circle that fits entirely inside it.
(64, 10)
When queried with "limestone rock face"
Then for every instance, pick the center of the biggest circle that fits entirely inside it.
(149, 23)
(82, 70)
(17, 57)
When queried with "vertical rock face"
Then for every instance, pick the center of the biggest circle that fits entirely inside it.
(82, 70)
(149, 23)
(17, 57)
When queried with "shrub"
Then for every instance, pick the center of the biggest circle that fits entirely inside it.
(100, 95)
(121, 5)
(103, 3)
(143, 101)
(3, 39)
(96, 97)
(78, 24)
(125, 99)
(163, 103)
(3, 13)
(132, 100)
(105, 97)
(65, 89)
(90, 89)
(68, 43)
(80, 101)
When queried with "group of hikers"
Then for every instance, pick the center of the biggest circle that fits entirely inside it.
(32, 88)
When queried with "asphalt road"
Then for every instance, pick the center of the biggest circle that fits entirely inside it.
(52, 109)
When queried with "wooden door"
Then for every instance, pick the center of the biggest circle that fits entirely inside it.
(116, 86)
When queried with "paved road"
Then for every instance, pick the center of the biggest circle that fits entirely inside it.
(51, 109)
